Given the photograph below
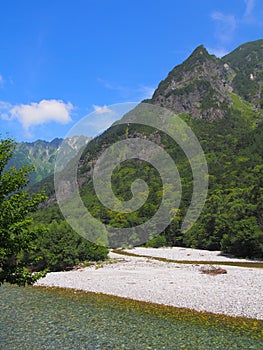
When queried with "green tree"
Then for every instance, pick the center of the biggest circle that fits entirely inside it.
(16, 230)
(61, 248)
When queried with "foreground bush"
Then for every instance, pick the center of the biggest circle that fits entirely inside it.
(59, 247)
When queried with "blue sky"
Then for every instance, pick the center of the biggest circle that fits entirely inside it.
(62, 59)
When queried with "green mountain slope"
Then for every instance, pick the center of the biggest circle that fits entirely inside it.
(247, 63)
(42, 155)
(228, 121)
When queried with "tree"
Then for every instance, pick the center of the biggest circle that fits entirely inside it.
(16, 231)
(60, 247)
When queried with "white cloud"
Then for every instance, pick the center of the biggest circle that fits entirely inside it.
(1, 80)
(33, 114)
(218, 52)
(106, 118)
(102, 118)
(101, 109)
(226, 26)
(250, 16)
(135, 93)
(250, 4)
(5, 105)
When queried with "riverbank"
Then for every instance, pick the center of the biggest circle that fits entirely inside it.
(238, 292)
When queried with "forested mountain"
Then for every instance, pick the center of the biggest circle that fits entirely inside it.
(247, 63)
(221, 100)
(42, 155)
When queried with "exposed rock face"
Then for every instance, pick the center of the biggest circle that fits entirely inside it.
(198, 87)
(202, 85)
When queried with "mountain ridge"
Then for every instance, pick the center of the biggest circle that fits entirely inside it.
(41, 155)
(202, 85)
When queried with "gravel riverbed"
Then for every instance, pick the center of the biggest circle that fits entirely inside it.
(239, 292)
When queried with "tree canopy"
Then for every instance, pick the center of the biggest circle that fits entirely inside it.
(16, 231)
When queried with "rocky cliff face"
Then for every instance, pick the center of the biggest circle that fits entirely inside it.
(203, 85)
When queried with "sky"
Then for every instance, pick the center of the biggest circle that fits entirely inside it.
(61, 60)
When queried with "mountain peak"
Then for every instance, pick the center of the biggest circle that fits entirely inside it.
(200, 53)
(203, 85)
(198, 86)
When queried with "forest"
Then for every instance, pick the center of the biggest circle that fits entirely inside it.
(231, 220)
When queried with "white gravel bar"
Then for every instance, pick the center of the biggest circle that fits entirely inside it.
(179, 253)
(239, 292)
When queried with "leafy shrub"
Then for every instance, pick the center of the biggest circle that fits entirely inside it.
(60, 248)
(157, 242)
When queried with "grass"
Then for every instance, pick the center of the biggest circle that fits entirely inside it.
(244, 107)
(251, 264)
(97, 264)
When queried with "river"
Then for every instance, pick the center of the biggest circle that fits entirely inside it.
(41, 318)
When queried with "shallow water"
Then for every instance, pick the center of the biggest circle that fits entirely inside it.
(40, 318)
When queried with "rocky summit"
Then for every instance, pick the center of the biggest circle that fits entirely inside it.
(206, 87)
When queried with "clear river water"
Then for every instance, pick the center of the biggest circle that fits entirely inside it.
(42, 318)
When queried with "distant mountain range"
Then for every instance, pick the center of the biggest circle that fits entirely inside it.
(42, 155)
